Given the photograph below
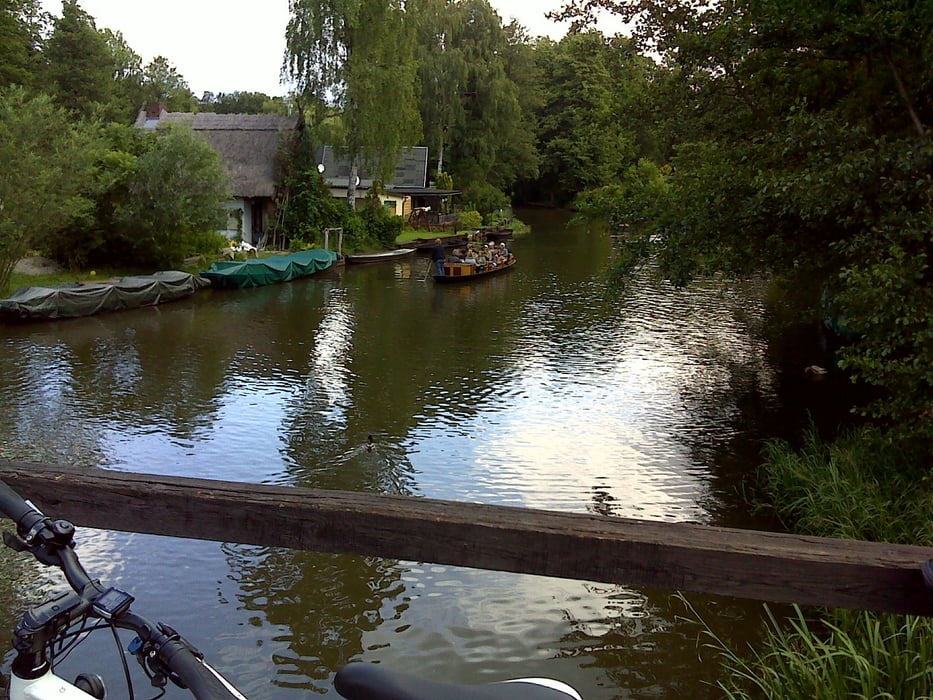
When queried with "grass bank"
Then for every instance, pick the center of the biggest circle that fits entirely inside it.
(862, 486)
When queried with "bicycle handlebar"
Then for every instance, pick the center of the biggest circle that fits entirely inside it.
(13, 506)
(204, 682)
(50, 542)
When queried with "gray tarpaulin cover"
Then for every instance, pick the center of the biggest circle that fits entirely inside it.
(35, 303)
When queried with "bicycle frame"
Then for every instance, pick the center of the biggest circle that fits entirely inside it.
(44, 687)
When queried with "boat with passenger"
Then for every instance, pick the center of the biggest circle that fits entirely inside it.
(476, 263)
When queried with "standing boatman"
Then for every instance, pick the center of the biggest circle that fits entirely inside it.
(438, 256)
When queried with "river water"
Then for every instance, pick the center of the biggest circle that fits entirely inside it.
(531, 389)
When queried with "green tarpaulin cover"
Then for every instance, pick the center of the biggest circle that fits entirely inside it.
(256, 272)
(37, 303)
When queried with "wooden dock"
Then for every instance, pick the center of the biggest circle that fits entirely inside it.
(762, 566)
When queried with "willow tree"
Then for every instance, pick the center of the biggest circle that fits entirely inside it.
(354, 58)
(471, 106)
(443, 72)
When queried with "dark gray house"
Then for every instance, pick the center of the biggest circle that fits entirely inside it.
(407, 193)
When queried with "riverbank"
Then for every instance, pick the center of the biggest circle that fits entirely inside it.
(861, 486)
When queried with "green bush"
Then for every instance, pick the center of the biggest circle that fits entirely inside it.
(208, 243)
(309, 208)
(485, 198)
(470, 219)
(381, 227)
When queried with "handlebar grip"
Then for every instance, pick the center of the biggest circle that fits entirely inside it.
(203, 681)
(16, 509)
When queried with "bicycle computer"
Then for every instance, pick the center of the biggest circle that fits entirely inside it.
(111, 603)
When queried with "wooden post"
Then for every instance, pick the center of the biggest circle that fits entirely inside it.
(763, 566)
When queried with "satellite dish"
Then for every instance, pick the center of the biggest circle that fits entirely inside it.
(357, 180)
(320, 168)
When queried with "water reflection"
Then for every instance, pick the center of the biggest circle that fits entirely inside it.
(323, 604)
(526, 389)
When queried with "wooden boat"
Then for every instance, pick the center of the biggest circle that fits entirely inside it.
(424, 245)
(467, 272)
(497, 233)
(379, 257)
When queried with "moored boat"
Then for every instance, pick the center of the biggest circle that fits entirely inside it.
(77, 300)
(258, 272)
(362, 258)
(469, 272)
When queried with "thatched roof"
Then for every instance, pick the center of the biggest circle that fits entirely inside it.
(247, 143)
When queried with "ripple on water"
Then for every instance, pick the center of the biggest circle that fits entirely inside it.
(534, 391)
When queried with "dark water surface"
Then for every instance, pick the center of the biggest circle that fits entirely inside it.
(528, 389)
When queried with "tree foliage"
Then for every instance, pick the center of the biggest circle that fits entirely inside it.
(47, 158)
(155, 195)
(581, 138)
(21, 27)
(176, 190)
(470, 107)
(163, 83)
(78, 61)
(800, 146)
(128, 93)
(238, 102)
(304, 200)
(357, 56)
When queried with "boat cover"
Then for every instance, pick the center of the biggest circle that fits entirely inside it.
(37, 303)
(256, 272)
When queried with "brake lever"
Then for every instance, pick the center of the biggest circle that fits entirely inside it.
(14, 541)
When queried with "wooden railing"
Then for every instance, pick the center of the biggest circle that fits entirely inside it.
(763, 566)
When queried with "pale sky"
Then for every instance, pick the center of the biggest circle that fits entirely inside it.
(228, 45)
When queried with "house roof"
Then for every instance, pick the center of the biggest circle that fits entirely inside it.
(247, 143)
(411, 170)
(421, 192)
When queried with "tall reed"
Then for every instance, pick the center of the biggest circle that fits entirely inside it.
(862, 486)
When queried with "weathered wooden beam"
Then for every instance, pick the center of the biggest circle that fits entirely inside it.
(762, 566)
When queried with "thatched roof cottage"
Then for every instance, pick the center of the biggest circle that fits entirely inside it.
(248, 145)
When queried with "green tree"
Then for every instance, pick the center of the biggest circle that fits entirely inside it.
(587, 123)
(236, 103)
(127, 75)
(442, 72)
(473, 117)
(21, 27)
(79, 68)
(163, 83)
(47, 159)
(174, 192)
(519, 158)
(800, 142)
(357, 57)
(490, 118)
(304, 202)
